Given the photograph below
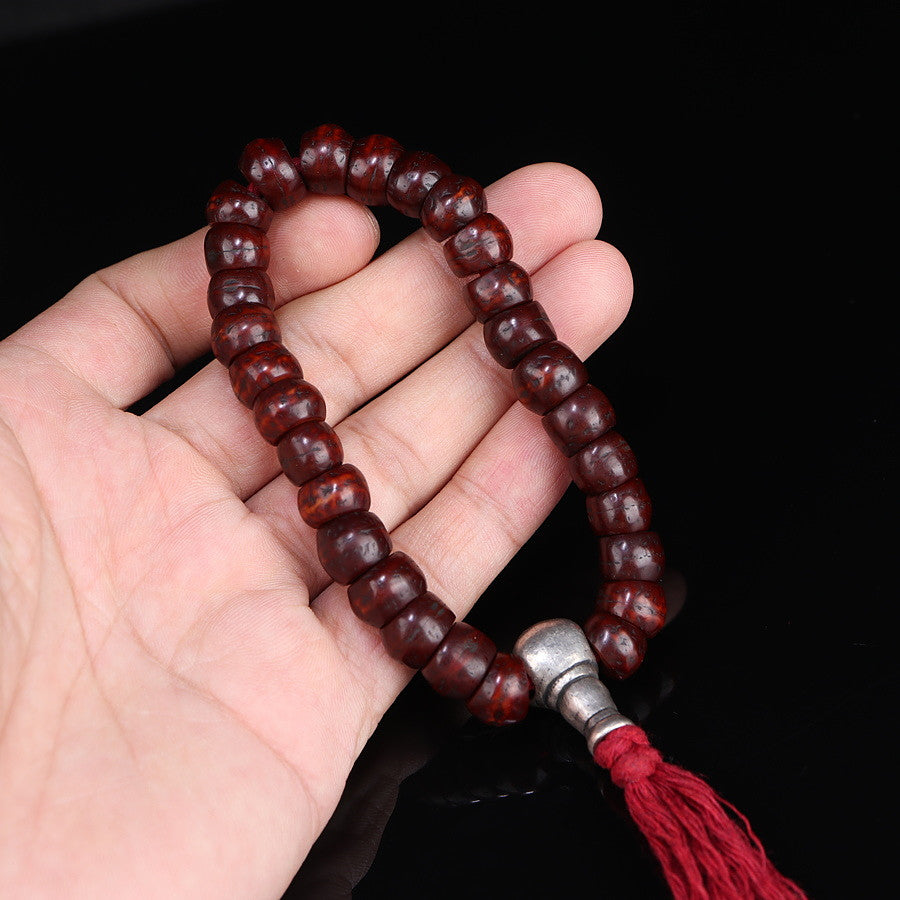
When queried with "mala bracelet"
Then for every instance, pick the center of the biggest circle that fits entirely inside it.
(705, 847)
(387, 589)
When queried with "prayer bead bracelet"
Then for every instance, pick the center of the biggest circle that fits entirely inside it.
(388, 589)
(704, 846)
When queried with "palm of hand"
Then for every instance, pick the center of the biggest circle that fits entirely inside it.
(175, 715)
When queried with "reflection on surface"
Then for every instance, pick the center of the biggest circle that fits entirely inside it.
(432, 756)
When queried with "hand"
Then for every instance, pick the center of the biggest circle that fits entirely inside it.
(182, 691)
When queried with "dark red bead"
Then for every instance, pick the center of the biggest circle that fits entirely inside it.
(232, 202)
(547, 375)
(503, 696)
(309, 450)
(413, 175)
(371, 161)
(382, 592)
(483, 243)
(580, 419)
(603, 464)
(285, 405)
(267, 165)
(260, 367)
(632, 557)
(512, 333)
(461, 661)
(351, 544)
(340, 490)
(643, 603)
(454, 201)
(324, 157)
(238, 328)
(417, 630)
(497, 289)
(233, 287)
(233, 246)
(621, 510)
(618, 645)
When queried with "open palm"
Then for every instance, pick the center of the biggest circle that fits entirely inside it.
(182, 690)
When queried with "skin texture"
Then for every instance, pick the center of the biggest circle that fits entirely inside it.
(182, 691)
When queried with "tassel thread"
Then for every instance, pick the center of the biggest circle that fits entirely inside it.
(706, 847)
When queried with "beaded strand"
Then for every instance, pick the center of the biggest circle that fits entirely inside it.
(386, 588)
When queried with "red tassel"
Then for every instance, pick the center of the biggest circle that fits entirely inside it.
(705, 846)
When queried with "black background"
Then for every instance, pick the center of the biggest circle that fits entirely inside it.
(743, 157)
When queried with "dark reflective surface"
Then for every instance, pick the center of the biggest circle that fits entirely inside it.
(742, 160)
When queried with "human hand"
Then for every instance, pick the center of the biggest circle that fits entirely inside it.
(182, 691)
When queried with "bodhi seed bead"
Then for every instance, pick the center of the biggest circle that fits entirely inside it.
(618, 645)
(643, 603)
(232, 287)
(309, 450)
(323, 159)
(351, 544)
(497, 289)
(233, 202)
(454, 201)
(382, 592)
(260, 367)
(461, 661)
(284, 405)
(632, 557)
(547, 375)
(228, 245)
(621, 510)
(268, 167)
(412, 176)
(371, 160)
(503, 696)
(483, 243)
(512, 333)
(239, 328)
(580, 419)
(340, 490)
(416, 632)
(603, 464)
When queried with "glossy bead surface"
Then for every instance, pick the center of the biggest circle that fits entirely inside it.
(511, 334)
(416, 632)
(413, 175)
(504, 694)
(285, 405)
(643, 603)
(238, 328)
(483, 243)
(579, 420)
(619, 511)
(454, 201)
(309, 450)
(618, 645)
(232, 202)
(323, 159)
(371, 161)
(340, 490)
(233, 287)
(382, 592)
(233, 246)
(267, 165)
(460, 662)
(497, 289)
(632, 557)
(603, 464)
(351, 544)
(547, 375)
(260, 367)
